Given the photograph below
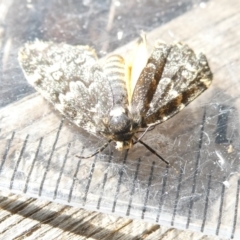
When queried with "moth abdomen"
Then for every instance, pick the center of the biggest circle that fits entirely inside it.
(114, 70)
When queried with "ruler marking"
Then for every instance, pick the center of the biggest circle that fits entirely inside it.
(61, 170)
(148, 189)
(196, 170)
(7, 151)
(236, 210)
(221, 208)
(75, 177)
(89, 180)
(119, 182)
(206, 202)
(133, 187)
(104, 182)
(162, 196)
(222, 124)
(177, 196)
(32, 165)
(18, 162)
(50, 157)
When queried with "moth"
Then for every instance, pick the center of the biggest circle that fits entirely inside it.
(117, 98)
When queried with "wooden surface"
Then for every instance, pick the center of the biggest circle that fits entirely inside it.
(213, 29)
(26, 218)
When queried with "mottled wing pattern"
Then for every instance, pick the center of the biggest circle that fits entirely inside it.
(179, 77)
(71, 79)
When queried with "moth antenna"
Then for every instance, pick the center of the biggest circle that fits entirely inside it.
(151, 150)
(98, 151)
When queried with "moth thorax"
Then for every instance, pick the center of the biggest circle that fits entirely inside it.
(120, 122)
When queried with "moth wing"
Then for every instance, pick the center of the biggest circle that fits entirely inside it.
(148, 81)
(70, 78)
(184, 77)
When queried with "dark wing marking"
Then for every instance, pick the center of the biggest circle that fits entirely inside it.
(184, 77)
(149, 80)
(70, 78)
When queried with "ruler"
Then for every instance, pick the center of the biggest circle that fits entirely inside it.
(199, 191)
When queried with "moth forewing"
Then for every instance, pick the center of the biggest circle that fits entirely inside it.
(80, 88)
(185, 76)
(149, 80)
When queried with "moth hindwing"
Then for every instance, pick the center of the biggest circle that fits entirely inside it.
(116, 99)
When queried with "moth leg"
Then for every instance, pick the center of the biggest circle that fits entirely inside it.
(98, 151)
(151, 150)
(150, 128)
(144, 132)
